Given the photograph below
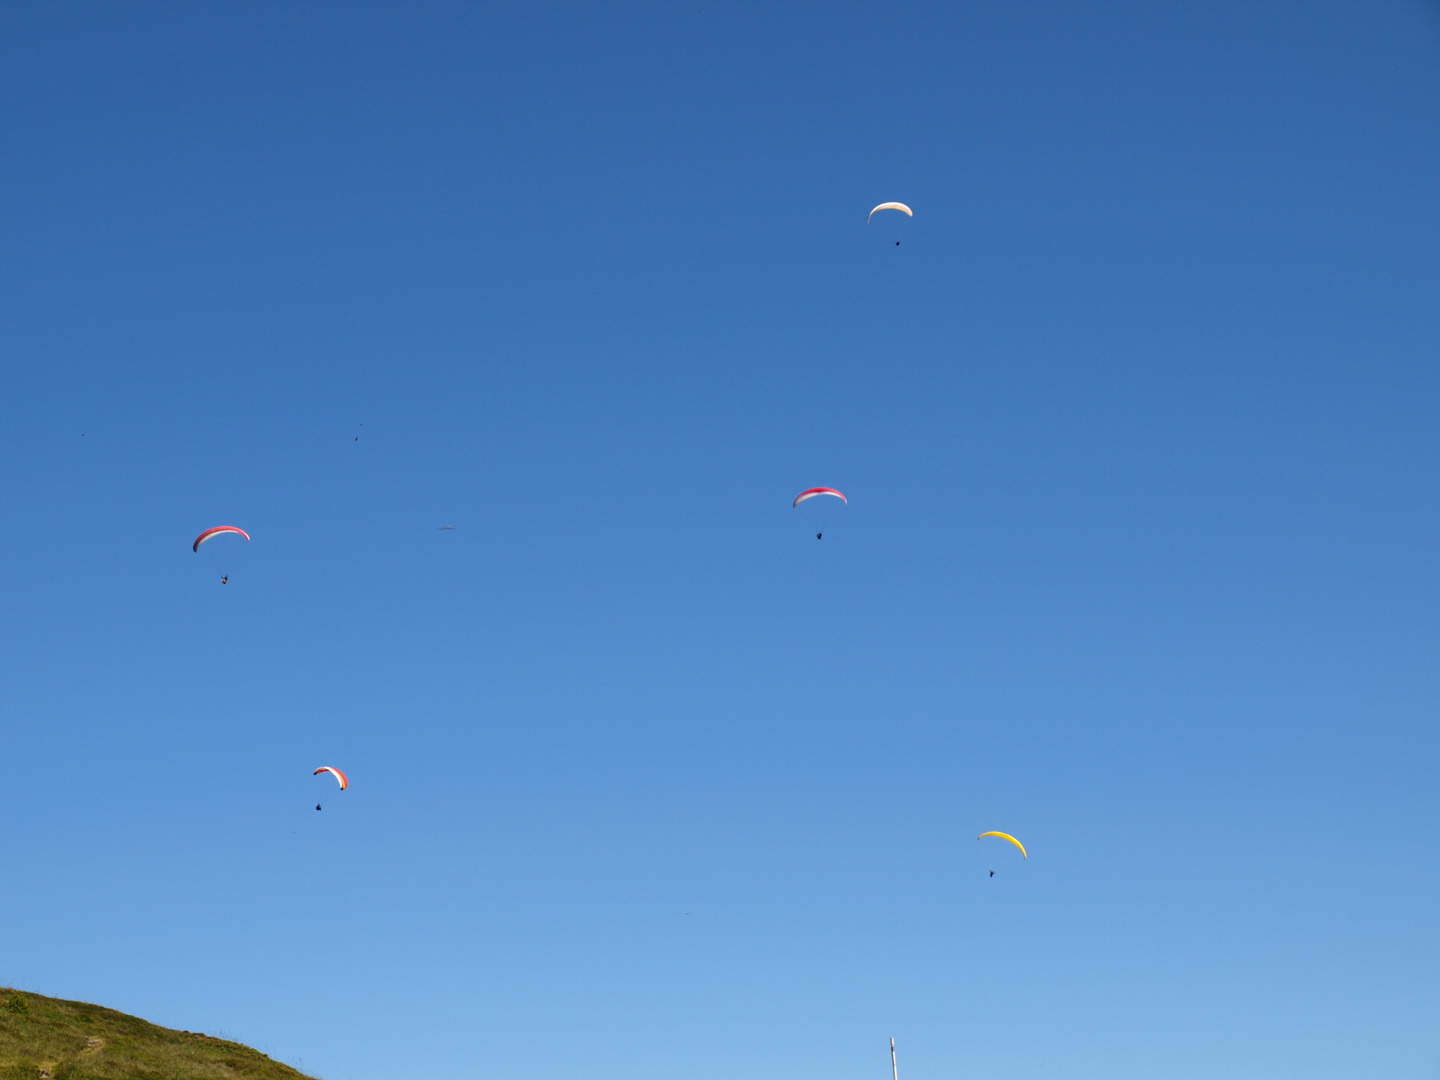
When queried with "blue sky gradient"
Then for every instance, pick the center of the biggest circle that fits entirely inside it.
(1138, 427)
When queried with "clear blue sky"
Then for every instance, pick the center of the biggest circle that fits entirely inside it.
(1139, 429)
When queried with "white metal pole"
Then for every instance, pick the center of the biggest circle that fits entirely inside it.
(895, 1069)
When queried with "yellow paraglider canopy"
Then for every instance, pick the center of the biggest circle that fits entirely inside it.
(1004, 836)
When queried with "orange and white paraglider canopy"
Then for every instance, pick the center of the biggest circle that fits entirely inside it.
(334, 772)
(891, 206)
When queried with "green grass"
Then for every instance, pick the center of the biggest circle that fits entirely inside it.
(45, 1038)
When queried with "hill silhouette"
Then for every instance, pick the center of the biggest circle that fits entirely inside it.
(43, 1038)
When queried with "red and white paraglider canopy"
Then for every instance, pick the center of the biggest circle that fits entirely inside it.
(812, 492)
(210, 534)
(336, 773)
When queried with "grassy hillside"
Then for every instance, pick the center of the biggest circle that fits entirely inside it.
(44, 1038)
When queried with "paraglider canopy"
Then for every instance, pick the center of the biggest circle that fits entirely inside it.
(210, 534)
(340, 776)
(891, 206)
(810, 493)
(1004, 836)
